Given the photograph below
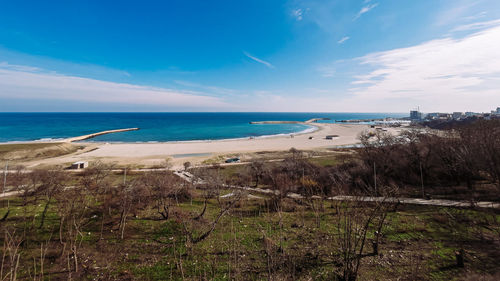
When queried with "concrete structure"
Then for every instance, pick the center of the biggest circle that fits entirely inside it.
(79, 165)
(80, 138)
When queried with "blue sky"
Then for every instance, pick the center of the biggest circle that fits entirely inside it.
(325, 55)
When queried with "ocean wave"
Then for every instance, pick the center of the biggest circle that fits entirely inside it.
(34, 141)
(310, 129)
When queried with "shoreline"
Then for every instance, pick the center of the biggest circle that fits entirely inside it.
(196, 152)
(84, 138)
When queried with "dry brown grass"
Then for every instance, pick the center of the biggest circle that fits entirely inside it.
(33, 151)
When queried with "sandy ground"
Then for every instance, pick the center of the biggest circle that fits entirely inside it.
(149, 154)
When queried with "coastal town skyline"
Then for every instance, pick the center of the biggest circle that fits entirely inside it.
(291, 56)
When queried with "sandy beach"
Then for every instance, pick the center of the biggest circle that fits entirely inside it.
(150, 154)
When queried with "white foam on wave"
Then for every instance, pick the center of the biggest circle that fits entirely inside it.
(34, 141)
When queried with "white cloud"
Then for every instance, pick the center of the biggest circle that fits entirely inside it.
(445, 74)
(24, 82)
(259, 60)
(345, 38)
(297, 13)
(365, 10)
(477, 25)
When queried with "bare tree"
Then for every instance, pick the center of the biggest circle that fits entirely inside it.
(484, 137)
(73, 207)
(165, 190)
(52, 182)
(11, 255)
(355, 220)
(257, 171)
(132, 196)
(97, 182)
(191, 225)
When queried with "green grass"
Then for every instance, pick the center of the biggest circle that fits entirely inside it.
(156, 249)
(326, 161)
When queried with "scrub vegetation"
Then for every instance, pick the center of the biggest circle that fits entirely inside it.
(265, 220)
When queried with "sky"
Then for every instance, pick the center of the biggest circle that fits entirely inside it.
(259, 55)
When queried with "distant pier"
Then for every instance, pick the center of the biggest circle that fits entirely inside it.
(89, 136)
(290, 122)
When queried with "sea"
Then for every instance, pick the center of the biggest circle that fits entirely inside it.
(161, 127)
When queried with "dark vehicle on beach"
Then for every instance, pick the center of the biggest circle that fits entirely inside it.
(233, 160)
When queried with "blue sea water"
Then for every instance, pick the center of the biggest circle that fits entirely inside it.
(159, 127)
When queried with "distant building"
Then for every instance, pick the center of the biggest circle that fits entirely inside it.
(498, 110)
(457, 115)
(415, 115)
(469, 114)
(431, 116)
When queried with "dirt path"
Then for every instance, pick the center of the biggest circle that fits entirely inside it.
(414, 201)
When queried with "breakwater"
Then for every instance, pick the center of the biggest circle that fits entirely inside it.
(89, 136)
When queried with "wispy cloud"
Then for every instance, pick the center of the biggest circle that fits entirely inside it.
(297, 14)
(476, 16)
(327, 71)
(24, 82)
(342, 41)
(477, 25)
(268, 64)
(443, 74)
(330, 70)
(14, 67)
(213, 89)
(455, 12)
(365, 10)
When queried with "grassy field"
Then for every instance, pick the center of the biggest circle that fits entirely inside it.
(254, 243)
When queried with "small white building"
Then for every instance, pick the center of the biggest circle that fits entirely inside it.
(79, 165)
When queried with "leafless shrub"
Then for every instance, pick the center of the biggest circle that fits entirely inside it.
(11, 255)
(193, 226)
(165, 190)
(356, 218)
